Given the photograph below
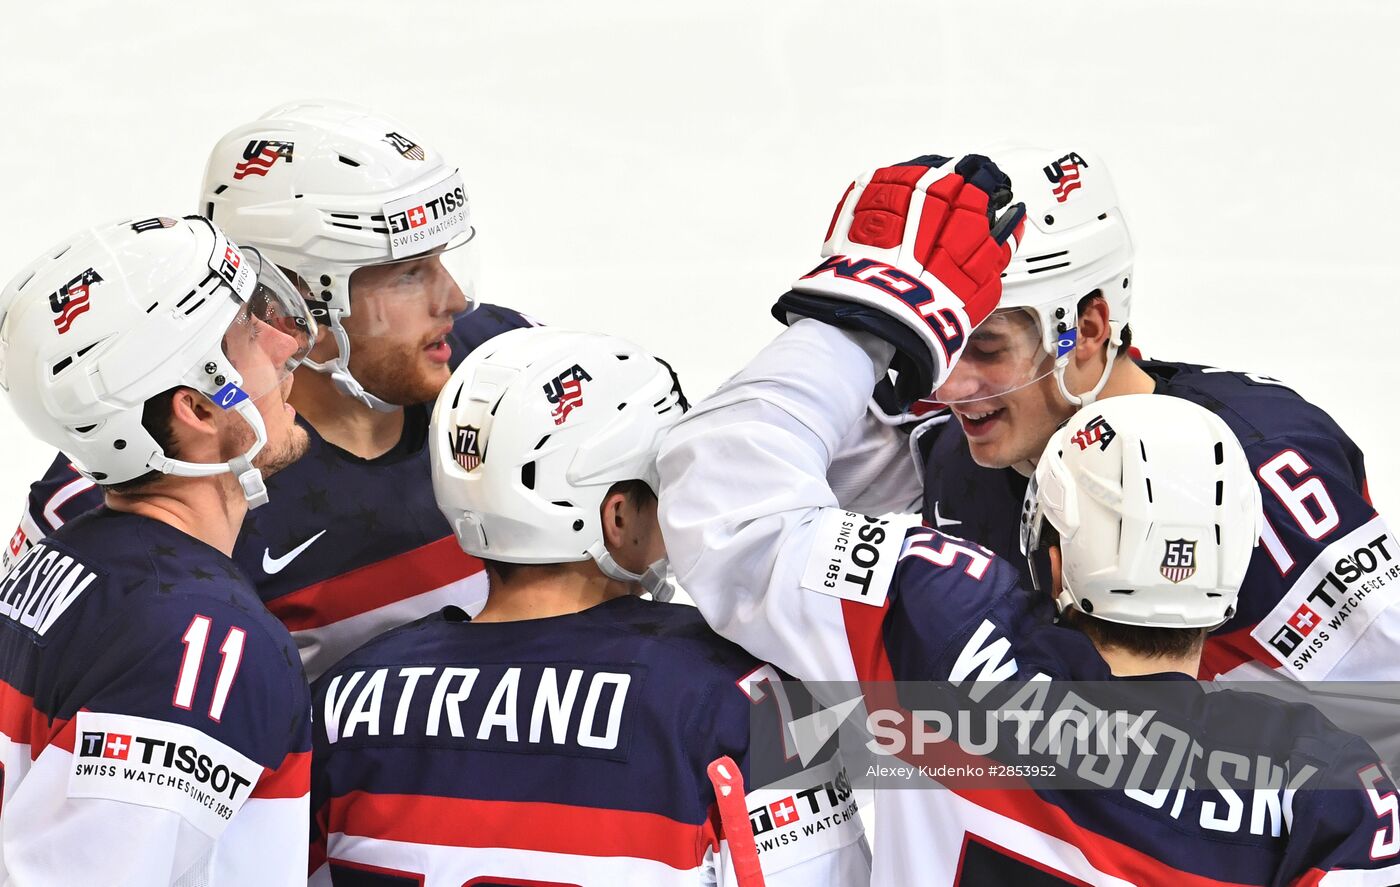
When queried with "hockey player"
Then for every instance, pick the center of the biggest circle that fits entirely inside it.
(366, 219)
(154, 721)
(573, 732)
(1319, 601)
(753, 530)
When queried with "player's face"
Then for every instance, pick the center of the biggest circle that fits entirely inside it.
(401, 316)
(1003, 392)
(260, 351)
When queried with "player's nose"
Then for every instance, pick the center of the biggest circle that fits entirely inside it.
(962, 383)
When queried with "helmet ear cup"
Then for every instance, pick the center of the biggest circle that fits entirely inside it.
(1156, 511)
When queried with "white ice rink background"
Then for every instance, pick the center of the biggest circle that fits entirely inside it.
(662, 170)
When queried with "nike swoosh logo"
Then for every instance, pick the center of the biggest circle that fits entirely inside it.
(942, 521)
(274, 565)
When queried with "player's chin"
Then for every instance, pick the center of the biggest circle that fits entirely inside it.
(289, 446)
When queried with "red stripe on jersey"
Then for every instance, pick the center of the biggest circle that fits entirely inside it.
(290, 780)
(1104, 854)
(375, 585)
(1227, 651)
(865, 636)
(520, 825)
(23, 723)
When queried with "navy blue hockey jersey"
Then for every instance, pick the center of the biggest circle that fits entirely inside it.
(1318, 600)
(152, 712)
(567, 750)
(346, 547)
(829, 595)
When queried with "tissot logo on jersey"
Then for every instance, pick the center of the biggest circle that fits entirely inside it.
(260, 155)
(1333, 601)
(159, 764)
(813, 803)
(1097, 431)
(565, 391)
(1064, 175)
(71, 300)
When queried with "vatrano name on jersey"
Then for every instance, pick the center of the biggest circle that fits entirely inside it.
(158, 764)
(1333, 601)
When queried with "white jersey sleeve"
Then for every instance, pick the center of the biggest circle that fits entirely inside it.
(751, 524)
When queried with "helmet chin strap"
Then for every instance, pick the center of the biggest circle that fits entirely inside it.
(338, 368)
(1088, 397)
(249, 477)
(653, 581)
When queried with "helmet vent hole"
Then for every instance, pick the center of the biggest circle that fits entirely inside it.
(60, 255)
(1213, 594)
(1219, 453)
(154, 306)
(189, 295)
(527, 475)
(1125, 283)
(497, 404)
(221, 189)
(1122, 590)
(1220, 492)
(1149, 490)
(1102, 216)
(578, 525)
(563, 503)
(623, 356)
(344, 225)
(1143, 447)
(1217, 534)
(1047, 257)
(1086, 605)
(26, 281)
(84, 429)
(193, 308)
(99, 475)
(542, 441)
(1043, 268)
(61, 365)
(622, 406)
(119, 444)
(348, 162)
(209, 210)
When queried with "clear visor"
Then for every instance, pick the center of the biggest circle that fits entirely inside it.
(1003, 355)
(271, 333)
(402, 297)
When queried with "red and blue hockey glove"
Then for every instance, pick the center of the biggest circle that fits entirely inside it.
(915, 255)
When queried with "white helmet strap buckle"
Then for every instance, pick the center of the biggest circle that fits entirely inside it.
(653, 581)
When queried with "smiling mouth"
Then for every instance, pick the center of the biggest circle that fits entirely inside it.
(974, 422)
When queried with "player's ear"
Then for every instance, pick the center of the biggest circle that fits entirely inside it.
(616, 516)
(1093, 327)
(1056, 577)
(192, 415)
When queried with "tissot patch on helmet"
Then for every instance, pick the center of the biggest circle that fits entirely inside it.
(260, 156)
(405, 146)
(466, 446)
(1098, 431)
(565, 391)
(1179, 560)
(70, 301)
(1064, 175)
(428, 219)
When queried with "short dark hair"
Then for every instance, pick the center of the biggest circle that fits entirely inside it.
(158, 418)
(1127, 328)
(638, 493)
(1140, 640)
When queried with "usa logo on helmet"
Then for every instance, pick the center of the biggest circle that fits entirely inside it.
(71, 300)
(405, 146)
(1098, 431)
(1064, 175)
(1179, 560)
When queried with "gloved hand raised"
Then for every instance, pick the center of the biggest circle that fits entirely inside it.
(916, 252)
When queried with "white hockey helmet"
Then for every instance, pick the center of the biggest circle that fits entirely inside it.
(116, 314)
(1154, 508)
(324, 188)
(1075, 242)
(530, 433)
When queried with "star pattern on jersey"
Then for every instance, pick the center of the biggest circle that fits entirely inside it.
(316, 500)
(368, 518)
(202, 574)
(163, 551)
